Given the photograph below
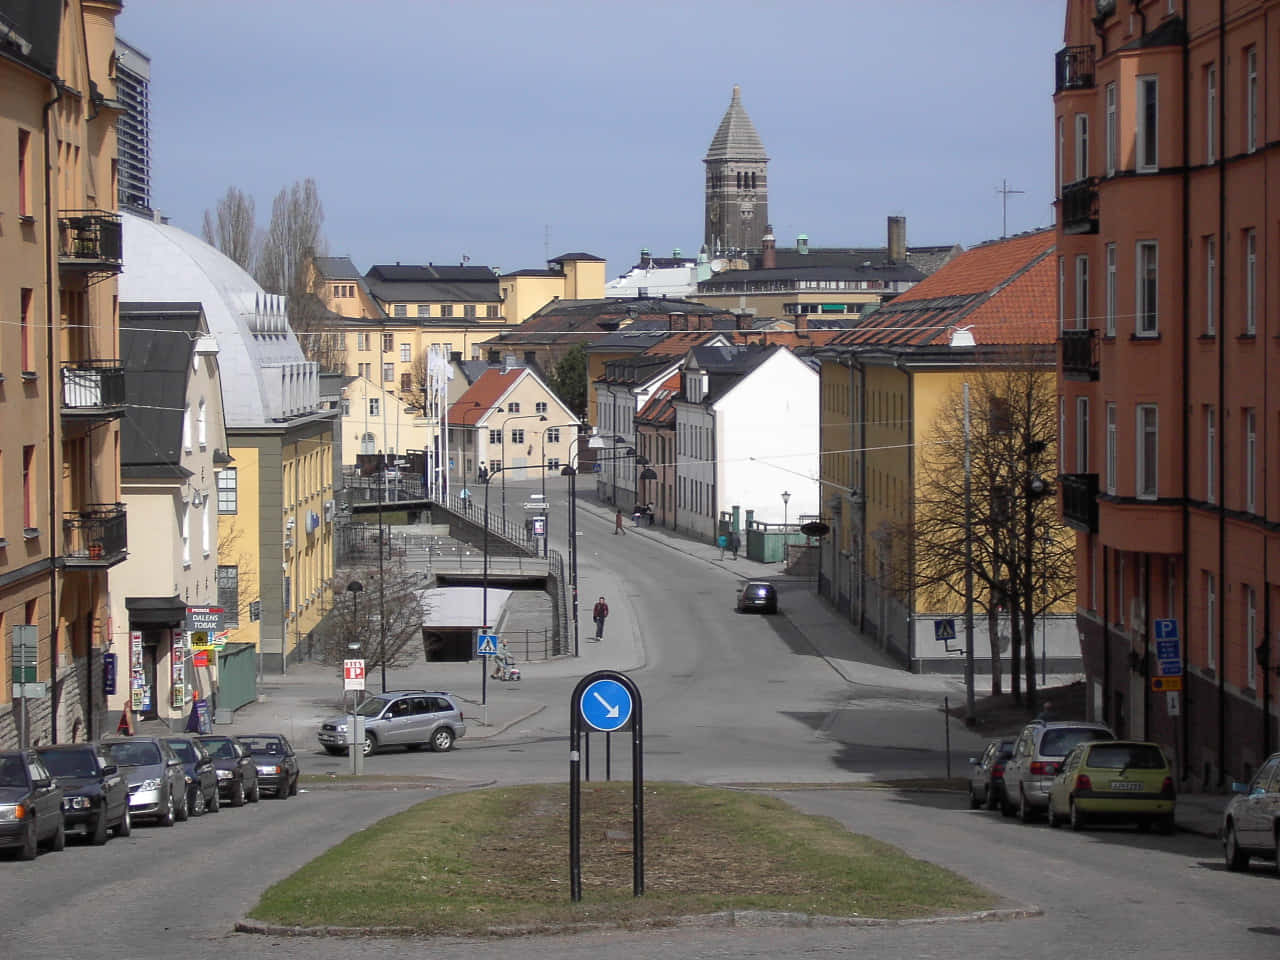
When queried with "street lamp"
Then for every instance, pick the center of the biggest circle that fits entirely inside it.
(531, 416)
(546, 535)
(569, 471)
(786, 499)
(382, 592)
(354, 588)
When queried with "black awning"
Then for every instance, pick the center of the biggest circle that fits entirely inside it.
(156, 611)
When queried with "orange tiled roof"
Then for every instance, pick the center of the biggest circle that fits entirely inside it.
(470, 408)
(980, 268)
(658, 410)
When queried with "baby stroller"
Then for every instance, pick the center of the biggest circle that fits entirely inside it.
(504, 668)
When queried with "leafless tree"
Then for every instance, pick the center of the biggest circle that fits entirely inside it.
(352, 628)
(1023, 559)
(232, 228)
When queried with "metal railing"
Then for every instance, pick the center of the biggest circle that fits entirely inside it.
(1073, 68)
(95, 536)
(1080, 501)
(529, 645)
(92, 239)
(1080, 354)
(393, 490)
(1080, 206)
(92, 385)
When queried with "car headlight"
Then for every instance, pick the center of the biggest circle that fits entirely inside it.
(224, 774)
(269, 770)
(342, 728)
(77, 803)
(152, 784)
(12, 811)
(187, 777)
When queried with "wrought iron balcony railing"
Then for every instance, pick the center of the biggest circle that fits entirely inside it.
(95, 537)
(93, 389)
(1080, 206)
(1080, 354)
(90, 241)
(1073, 68)
(1080, 501)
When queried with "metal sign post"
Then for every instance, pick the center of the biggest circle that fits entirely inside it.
(26, 649)
(606, 701)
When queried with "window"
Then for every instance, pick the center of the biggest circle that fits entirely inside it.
(495, 466)
(446, 310)
(205, 538)
(1082, 292)
(424, 310)
(517, 436)
(553, 434)
(469, 310)
(1062, 286)
(1082, 434)
(1251, 460)
(186, 428)
(29, 487)
(1210, 284)
(1113, 449)
(388, 342)
(495, 436)
(513, 407)
(1148, 451)
(1148, 123)
(406, 353)
(1111, 290)
(365, 370)
(1113, 136)
(1211, 454)
(27, 330)
(227, 490)
(491, 311)
(999, 417)
(186, 534)
(1060, 173)
(1250, 282)
(1251, 100)
(1210, 619)
(1062, 434)
(1211, 114)
(400, 310)
(373, 407)
(540, 407)
(1250, 637)
(388, 372)
(553, 463)
(362, 341)
(229, 594)
(406, 382)
(202, 425)
(1082, 146)
(1148, 275)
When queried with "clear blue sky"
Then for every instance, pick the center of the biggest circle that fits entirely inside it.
(436, 129)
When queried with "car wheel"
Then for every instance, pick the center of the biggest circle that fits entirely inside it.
(1166, 825)
(973, 799)
(1077, 817)
(181, 811)
(99, 835)
(1050, 817)
(30, 842)
(195, 801)
(214, 803)
(335, 751)
(170, 814)
(1024, 809)
(1236, 858)
(293, 786)
(442, 740)
(1006, 808)
(256, 793)
(126, 823)
(370, 744)
(58, 841)
(237, 794)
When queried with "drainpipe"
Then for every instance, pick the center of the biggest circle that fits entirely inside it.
(51, 236)
(1106, 637)
(1146, 646)
(1186, 406)
(859, 429)
(1222, 394)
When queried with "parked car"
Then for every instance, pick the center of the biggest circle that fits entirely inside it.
(237, 774)
(30, 805)
(411, 718)
(1037, 756)
(1113, 780)
(986, 776)
(95, 795)
(199, 774)
(277, 763)
(758, 595)
(157, 786)
(1251, 822)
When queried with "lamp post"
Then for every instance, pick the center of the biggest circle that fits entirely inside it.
(569, 471)
(354, 588)
(382, 591)
(786, 499)
(546, 536)
(531, 416)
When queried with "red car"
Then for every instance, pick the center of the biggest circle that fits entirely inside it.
(986, 778)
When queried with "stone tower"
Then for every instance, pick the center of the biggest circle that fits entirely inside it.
(737, 206)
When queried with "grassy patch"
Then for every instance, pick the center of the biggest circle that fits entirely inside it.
(468, 862)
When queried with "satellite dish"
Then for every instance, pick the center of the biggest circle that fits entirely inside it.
(718, 266)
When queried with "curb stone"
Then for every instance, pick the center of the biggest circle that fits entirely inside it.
(721, 919)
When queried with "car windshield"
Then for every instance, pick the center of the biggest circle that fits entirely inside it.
(267, 745)
(12, 772)
(1058, 743)
(183, 748)
(220, 748)
(129, 754)
(371, 707)
(70, 763)
(1133, 756)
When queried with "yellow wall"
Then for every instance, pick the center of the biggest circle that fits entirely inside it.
(583, 279)
(239, 544)
(522, 297)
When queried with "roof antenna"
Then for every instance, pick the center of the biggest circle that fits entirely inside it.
(1004, 191)
(546, 242)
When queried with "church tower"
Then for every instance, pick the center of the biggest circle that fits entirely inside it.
(737, 205)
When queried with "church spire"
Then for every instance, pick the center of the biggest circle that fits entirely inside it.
(737, 193)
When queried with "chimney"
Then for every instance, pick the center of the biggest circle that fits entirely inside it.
(898, 239)
(802, 244)
(644, 256)
(676, 320)
(676, 254)
(742, 319)
(802, 324)
(769, 247)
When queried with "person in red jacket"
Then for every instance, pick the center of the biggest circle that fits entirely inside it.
(598, 613)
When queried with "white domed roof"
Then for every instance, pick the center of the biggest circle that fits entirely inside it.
(265, 377)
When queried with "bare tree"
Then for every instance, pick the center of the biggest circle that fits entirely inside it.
(232, 228)
(1023, 560)
(353, 627)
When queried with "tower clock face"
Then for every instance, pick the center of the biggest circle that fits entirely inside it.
(714, 213)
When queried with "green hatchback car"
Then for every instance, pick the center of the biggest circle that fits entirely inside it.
(1125, 781)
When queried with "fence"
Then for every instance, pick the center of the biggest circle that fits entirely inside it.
(529, 645)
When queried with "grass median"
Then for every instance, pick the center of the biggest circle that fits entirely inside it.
(485, 860)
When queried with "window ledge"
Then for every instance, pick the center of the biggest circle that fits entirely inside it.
(1144, 338)
(26, 218)
(1247, 337)
(29, 375)
(30, 533)
(1207, 337)
(3, 543)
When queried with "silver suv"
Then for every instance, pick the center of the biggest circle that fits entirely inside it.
(1037, 756)
(410, 718)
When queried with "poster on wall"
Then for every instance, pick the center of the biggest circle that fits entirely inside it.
(178, 670)
(138, 693)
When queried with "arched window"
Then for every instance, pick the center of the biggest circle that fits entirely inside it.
(367, 443)
(739, 180)
(753, 181)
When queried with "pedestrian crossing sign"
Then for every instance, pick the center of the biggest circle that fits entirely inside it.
(944, 630)
(486, 645)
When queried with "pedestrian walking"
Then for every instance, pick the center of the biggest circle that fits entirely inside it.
(599, 613)
(1046, 714)
(617, 524)
(735, 543)
(649, 512)
(722, 542)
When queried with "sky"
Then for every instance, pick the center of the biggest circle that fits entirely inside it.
(512, 131)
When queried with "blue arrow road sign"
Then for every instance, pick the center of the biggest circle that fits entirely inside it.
(486, 645)
(606, 705)
(944, 630)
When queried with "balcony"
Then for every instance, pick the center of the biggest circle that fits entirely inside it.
(1080, 354)
(1080, 501)
(92, 390)
(1080, 206)
(1073, 68)
(95, 537)
(90, 241)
